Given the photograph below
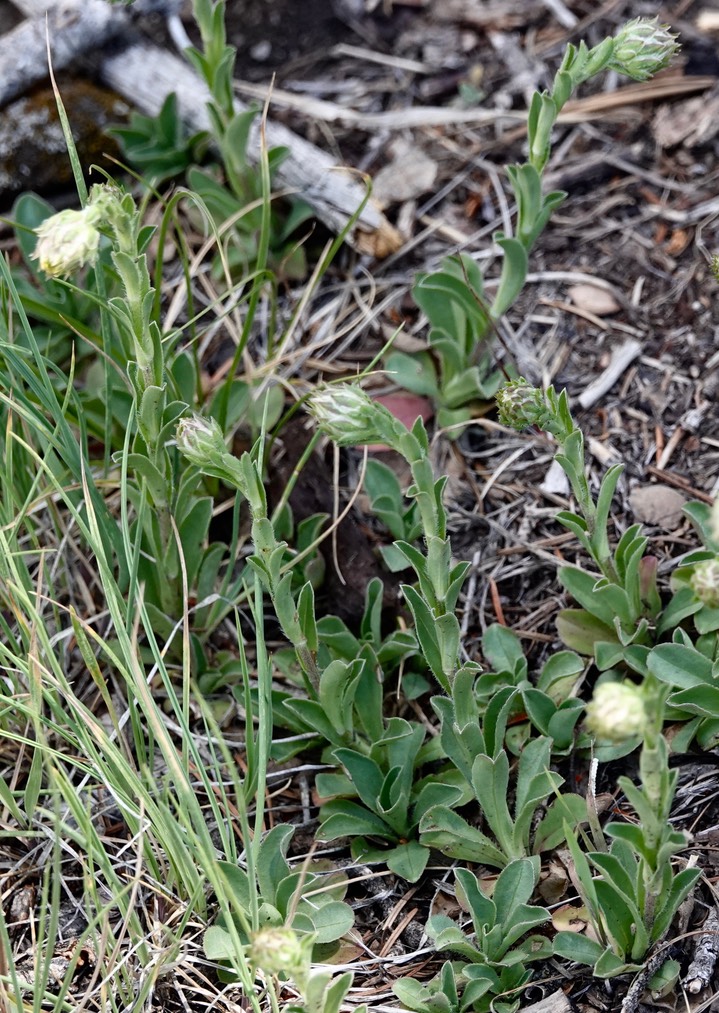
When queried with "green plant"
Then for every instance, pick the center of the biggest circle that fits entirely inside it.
(158, 145)
(344, 701)
(256, 233)
(496, 959)
(621, 605)
(307, 902)
(75, 749)
(633, 900)
(349, 417)
(549, 705)
(474, 742)
(623, 620)
(393, 798)
(458, 370)
(443, 994)
(162, 497)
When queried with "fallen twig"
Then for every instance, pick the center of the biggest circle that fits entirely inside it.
(700, 971)
(621, 358)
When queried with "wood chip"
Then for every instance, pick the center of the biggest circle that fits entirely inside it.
(555, 481)
(555, 1002)
(708, 21)
(691, 123)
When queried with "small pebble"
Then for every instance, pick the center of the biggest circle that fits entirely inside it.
(261, 51)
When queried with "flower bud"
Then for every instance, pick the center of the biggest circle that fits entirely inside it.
(643, 47)
(277, 950)
(200, 440)
(521, 405)
(349, 416)
(67, 241)
(616, 711)
(705, 582)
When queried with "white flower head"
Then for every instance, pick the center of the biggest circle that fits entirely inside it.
(616, 711)
(642, 48)
(200, 439)
(348, 416)
(67, 241)
(705, 582)
(277, 950)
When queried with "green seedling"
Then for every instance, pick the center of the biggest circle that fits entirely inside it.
(474, 742)
(158, 146)
(496, 954)
(458, 371)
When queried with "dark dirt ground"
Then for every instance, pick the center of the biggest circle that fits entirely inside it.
(641, 216)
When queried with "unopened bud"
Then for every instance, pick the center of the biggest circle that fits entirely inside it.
(278, 950)
(705, 582)
(521, 405)
(616, 711)
(643, 47)
(350, 417)
(200, 440)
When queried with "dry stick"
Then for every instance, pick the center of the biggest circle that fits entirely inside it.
(23, 50)
(145, 75)
(575, 111)
(639, 984)
(690, 422)
(621, 358)
(701, 970)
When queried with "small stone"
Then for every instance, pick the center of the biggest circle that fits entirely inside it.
(593, 299)
(410, 174)
(261, 51)
(659, 505)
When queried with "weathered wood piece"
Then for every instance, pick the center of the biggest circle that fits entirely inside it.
(556, 1002)
(701, 970)
(23, 50)
(145, 75)
(74, 28)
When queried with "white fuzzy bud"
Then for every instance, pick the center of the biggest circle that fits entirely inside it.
(705, 582)
(67, 241)
(643, 47)
(349, 416)
(616, 711)
(278, 950)
(200, 440)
